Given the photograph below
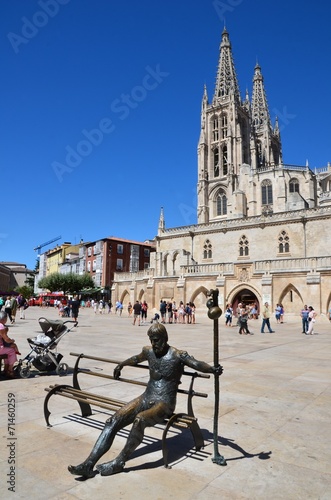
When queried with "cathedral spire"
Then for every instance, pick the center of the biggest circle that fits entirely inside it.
(161, 227)
(260, 111)
(226, 79)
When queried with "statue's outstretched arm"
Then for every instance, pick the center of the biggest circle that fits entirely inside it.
(200, 366)
(133, 361)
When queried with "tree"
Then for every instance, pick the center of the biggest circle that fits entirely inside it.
(26, 291)
(66, 283)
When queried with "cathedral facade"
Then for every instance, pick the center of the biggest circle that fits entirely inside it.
(263, 231)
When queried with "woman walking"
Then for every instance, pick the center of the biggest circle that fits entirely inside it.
(311, 321)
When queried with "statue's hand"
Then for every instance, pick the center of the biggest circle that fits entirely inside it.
(218, 370)
(117, 372)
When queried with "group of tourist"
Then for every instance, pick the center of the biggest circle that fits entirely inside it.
(169, 312)
(11, 304)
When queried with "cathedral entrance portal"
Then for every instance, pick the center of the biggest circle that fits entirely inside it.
(246, 297)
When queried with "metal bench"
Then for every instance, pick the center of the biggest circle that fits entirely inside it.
(87, 399)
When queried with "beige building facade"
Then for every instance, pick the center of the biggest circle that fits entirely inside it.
(263, 231)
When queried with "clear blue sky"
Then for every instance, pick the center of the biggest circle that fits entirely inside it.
(135, 71)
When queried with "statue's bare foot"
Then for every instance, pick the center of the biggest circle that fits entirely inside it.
(83, 469)
(109, 468)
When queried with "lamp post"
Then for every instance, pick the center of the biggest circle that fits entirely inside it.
(214, 313)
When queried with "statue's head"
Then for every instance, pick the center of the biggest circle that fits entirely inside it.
(158, 336)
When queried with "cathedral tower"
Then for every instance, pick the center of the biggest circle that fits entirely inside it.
(236, 140)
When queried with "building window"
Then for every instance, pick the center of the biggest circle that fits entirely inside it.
(119, 264)
(216, 163)
(207, 250)
(266, 188)
(221, 203)
(94, 249)
(294, 186)
(243, 246)
(120, 249)
(224, 126)
(225, 160)
(283, 242)
(215, 129)
(146, 252)
(88, 266)
(89, 251)
(94, 265)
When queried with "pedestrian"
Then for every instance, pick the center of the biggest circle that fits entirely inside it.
(243, 321)
(278, 311)
(2, 303)
(181, 312)
(8, 309)
(21, 301)
(136, 312)
(100, 306)
(266, 318)
(74, 306)
(144, 308)
(13, 306)
(163, 310)
(311, 320)
(129, 309)
(304, 318)
(282, 311)
(228, 315)
(192, 306)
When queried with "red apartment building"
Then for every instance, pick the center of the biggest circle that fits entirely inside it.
(102, 258)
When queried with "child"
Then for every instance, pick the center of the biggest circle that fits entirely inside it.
(7, 342)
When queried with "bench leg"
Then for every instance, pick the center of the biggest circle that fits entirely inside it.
(85, 408)
(196, 433)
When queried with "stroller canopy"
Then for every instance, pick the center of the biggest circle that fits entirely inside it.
(56, 327)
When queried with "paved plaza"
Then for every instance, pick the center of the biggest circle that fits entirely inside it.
(274, 423)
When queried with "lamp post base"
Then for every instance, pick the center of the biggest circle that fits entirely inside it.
(219, 460)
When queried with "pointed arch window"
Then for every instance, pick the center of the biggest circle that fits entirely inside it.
(221, 203)
(207, 250)
(224, 125)
(225, 160)
(216, 163)
(294, 186)
(243, 246)
(266, 191)
(215, 128)
(283, 242)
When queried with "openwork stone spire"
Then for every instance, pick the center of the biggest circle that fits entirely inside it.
(161, 227)
(260, 111)
(226, 80)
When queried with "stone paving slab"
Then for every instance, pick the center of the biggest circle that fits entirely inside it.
(274, 425)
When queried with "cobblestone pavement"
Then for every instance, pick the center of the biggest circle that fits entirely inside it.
(274, 422)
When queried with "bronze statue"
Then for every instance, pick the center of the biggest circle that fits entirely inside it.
(166, 366)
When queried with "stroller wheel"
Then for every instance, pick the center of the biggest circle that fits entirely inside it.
(62, 369)
(24, 371)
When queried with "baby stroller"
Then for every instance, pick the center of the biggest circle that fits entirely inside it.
(41, 355)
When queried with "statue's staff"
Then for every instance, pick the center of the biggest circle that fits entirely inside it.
(214, 312)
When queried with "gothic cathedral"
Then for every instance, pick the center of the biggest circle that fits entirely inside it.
(263, 231)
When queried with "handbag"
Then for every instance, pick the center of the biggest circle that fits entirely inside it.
(26, 305)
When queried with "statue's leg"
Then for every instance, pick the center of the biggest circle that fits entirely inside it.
(123, 417)
(147, 418)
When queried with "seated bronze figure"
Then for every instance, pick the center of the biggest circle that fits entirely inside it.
(166, 366)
